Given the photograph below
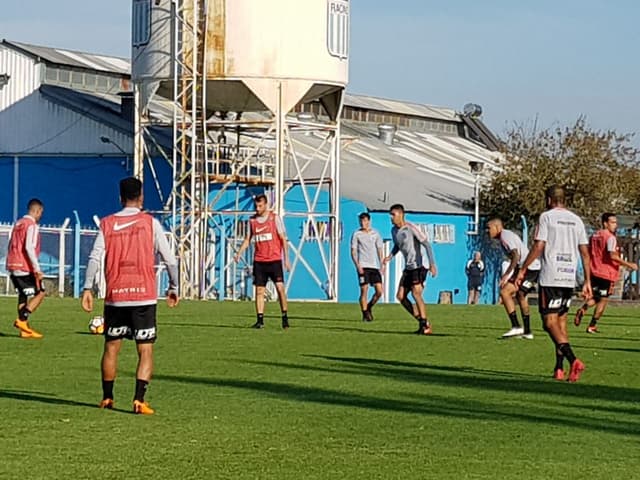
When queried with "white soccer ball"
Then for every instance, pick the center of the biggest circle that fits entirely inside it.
(96, 325)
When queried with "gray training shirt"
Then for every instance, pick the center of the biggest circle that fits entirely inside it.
(366, 246)
(408, 239)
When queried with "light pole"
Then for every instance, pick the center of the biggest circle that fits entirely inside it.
(105, 139)
(476, 169)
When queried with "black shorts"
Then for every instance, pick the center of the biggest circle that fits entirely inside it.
(411, 277)
(26, 286)
(601, 288)
(265, 271)
(370, 276)
(530, 280)
(134, 323)
(554, 300)
(475, 285)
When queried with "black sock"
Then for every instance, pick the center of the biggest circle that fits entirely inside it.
(107, 389)
(565, 348)
(260, 317)
(526, 322)
(141, 389)
(369, 306)
(559, 360)
(285, 317)
(408, 306)
(423, 323)
(513, 316)
(593, 321)
(364, 313)
(24, 314)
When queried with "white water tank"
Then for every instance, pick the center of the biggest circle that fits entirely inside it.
(255, 49)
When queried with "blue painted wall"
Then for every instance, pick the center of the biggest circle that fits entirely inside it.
(90, 185)
(86, 184)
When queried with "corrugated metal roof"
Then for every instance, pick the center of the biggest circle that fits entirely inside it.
(73, 58)
(401, 107)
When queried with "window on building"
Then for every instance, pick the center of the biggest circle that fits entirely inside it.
(141, 22)
(438, 232)
(321, 229)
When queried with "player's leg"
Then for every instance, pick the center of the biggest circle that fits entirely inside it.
(601, 291)
(37, 299)
(143, 320)
(26, 287)
(109, 368)
(506, 294)
(364, 289)
(523, 302)
(377, 295)
(260, 283)
(117, 326)
(577, 366)
(417, 291)
(282, 298)
(402, 295)
(276, 274)
(582, 311)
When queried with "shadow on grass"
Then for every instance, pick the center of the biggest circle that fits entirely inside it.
(430, 404)
(611, 349)
(41, 398)
(6, 335)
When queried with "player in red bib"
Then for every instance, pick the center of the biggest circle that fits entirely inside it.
(23, 267)
(269, 238)
(129, 241)
(605, 270)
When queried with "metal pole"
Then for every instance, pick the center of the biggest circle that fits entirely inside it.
(476, 224)
(16, 186)
(61, 257)
(76, 257)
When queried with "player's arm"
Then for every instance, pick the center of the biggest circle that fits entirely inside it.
(612, 247)
(424, 241)
(243, 246)
(282, 233)
(93, 267)
(380, 249)
(161, 245)
(30, 247)
(534, 253)
(514, 259)
(354, 252)
(393, 253)
(586, 265)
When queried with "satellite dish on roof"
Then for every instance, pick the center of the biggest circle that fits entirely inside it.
(472, 110)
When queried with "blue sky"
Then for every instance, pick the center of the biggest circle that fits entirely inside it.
(520, 59)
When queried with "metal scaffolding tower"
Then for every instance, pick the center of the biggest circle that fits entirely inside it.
(218, 155)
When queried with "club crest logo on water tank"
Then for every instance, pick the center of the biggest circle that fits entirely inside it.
(338, 28)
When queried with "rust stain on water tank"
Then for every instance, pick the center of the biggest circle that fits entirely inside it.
(216, 39)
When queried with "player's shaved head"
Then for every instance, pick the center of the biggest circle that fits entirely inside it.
(555, 196)
(494, 227)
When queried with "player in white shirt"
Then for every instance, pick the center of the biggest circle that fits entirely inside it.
(560, 241)
(516, 251)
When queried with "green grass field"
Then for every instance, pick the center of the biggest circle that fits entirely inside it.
(332, 398)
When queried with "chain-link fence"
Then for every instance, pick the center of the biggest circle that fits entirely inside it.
(64, 254)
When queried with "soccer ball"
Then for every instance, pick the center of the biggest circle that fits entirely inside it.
(96, 325)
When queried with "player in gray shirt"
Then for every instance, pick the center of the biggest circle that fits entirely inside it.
(516, 251)
(367, 256)
(560, 241)
(408, 239)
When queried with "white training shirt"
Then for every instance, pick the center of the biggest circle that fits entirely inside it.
(563, 232)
